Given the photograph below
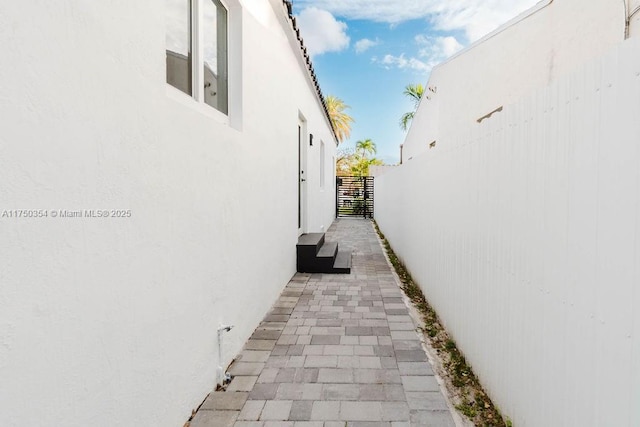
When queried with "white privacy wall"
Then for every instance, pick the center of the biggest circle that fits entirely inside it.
(524, 233)
(112, 322)
(526, 54)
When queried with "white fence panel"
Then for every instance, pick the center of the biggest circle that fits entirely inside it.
(524, 233)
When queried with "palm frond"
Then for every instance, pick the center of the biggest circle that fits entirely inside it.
(340, 120)
(406, 119)
(414, 92)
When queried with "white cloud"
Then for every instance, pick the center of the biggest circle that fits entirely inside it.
(475, 17)
(432, 51)
(437, 48)
(322, 32)
(363, 45)
(391, 61)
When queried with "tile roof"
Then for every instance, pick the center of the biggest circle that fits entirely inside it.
(289, 6)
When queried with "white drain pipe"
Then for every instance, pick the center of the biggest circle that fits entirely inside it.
(223, 377)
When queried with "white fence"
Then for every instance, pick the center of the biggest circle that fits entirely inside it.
(524, 233)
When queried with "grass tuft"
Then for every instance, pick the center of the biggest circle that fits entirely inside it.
(474, 402)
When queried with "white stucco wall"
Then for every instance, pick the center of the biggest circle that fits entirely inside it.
(377, 170)
(528, 53)
(112, 321)
(524, 232)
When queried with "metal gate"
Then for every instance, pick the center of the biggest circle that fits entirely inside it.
(354, 196)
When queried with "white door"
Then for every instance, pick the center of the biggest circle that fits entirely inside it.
(302, 177)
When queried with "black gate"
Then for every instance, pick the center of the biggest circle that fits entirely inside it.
(354, 196)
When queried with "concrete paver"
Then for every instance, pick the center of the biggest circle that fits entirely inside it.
(227, 401)
(334, 351)
(252, 410)
(205, 418)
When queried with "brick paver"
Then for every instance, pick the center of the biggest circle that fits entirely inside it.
(334, 351)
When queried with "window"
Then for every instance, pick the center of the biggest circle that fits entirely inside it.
(197, 53)
(215, 55)
(178, 40)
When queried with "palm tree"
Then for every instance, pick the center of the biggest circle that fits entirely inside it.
(365, 146)
(340, 120)
(361, 160)
(361, 166)
(414, 92)
(356, 162)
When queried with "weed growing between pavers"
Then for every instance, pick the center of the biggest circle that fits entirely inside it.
(473, 401)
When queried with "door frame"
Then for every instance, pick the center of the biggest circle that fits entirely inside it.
(303, 175)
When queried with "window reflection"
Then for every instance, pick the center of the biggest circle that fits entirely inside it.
(215, 54)
(178, 44)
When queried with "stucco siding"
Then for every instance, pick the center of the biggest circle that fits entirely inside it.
(112, 321)
(523, 233)
(536, 48)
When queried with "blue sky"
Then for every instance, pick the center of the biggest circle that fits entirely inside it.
(366, 51)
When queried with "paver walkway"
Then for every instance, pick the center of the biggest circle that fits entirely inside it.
(335, 351)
